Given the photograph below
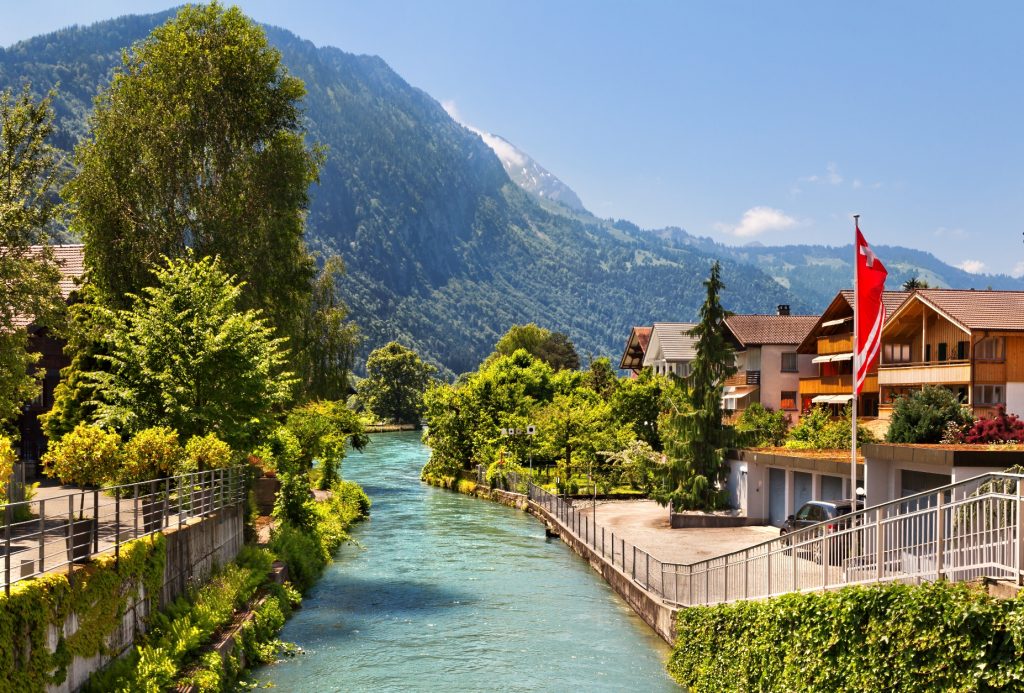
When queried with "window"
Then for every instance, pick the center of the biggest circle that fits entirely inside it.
(787, 400)
(961, 350)
(988, 394)
(991, 349)
(927, 353)
(896, 353)
(942, 351)
(789, 362)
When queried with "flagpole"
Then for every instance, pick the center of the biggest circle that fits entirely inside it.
(853, 378)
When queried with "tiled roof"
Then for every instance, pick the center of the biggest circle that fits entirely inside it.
(752, 330)
(636, 348)
(891, 299)
(643, 336)
(979, 310)
(70, 260)
(673, 341)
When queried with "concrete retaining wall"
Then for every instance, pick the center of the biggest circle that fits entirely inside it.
(193, 551)
(653, 611)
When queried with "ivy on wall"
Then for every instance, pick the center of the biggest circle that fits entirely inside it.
(937, 636)
(99, 596)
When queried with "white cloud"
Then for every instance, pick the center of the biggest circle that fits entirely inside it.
(508, 154)
(759, 220)
(1018, 270)
(857, 184)
(832, 174)
(972, 266)
(945, 232)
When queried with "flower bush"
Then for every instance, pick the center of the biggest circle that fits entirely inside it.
(1001, 428)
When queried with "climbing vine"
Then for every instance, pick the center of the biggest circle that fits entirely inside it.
(99, 596)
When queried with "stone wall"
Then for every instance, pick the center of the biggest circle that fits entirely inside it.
(193, 551)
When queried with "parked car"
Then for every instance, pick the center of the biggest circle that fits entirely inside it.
(833, 516)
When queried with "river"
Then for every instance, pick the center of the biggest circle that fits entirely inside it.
(451, 593)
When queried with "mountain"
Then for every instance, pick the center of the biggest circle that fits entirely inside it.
(529, 175)
(817, 272)
(444, 251)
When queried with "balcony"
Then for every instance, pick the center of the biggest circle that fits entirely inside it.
(944, 373)
(744, 378)
(835, 344)
(835, 385)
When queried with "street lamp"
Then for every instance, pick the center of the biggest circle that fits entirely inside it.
(529, 431)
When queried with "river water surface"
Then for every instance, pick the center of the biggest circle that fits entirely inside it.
(451, 593)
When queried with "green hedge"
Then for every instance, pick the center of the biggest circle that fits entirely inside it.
(939, 636)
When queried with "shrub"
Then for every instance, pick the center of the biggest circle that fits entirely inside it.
(206, 452)
(6, 465)
(150, 453)
(300, 550)
(922, 416)
(759, 426)
(1001, 428)
(817, 430)
(87, 456)
(499, 473)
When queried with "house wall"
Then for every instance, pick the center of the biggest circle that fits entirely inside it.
(1015, 398)
(774, 381)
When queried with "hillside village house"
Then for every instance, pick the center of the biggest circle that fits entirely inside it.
(70, 260)
(636, 349)
(671, 349)
(830, 345)
(768, 366)
(971, 342)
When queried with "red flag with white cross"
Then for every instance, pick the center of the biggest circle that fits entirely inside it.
(870, 311)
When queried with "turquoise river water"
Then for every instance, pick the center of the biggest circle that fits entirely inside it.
(452, 593)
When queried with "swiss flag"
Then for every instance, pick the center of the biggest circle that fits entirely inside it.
(869, 309)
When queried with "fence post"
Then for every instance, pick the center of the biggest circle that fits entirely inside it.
(725, 595)
(1020, 532)
(825, 558)
(940, 537)
(42, 535)
(879, 548)
(8, 516)
(95, 516)
(795, 567)
(117, 529)
(634, 563)
(71, 531)
(746, 573)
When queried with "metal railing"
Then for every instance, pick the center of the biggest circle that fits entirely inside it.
(47, 534)
(962, 531)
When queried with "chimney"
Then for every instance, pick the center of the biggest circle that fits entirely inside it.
(783, 309)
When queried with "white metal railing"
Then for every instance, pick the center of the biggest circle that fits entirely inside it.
(962, 531)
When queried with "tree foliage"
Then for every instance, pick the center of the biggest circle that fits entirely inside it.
(923, 415)
(87, 456)
(197, 144)
(323, 429)
(694, 437)
(329, 339)
(819, 430)
(185, 356)
(149, 454)
(553, 348)
(638, 402)
(395, 381)
(28, 211)
(759, 426)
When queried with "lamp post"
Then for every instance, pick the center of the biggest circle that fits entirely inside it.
(529, 431)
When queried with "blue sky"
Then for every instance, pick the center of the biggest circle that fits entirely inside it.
(744, 121)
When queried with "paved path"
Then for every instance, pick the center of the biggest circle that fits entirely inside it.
(646, 524)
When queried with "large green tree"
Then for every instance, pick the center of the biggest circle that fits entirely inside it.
(395, 381)
(694, 437)
(28, 277)
(186, 356)
(553, 348)
(197, 144)
(329, 340)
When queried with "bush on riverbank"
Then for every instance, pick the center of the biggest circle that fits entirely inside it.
(938, 636)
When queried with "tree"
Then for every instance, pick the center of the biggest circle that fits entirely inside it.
(694, 437)
(914, 283)
(637, 401)
(395, 381)
(759, 426)
(186, 357)
(601, 378)
(197, 144)
(323, 430)
(151, 453)
(28, 277)
(923, 415)
(553, 348)
(329, 340)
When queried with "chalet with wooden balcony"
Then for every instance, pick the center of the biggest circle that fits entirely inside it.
(70, 261)
(636, 349)
(969, 341)
(768, 366)
(671, 349)
(830, 345)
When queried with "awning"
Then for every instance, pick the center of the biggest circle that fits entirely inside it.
(825, 358)
(738, 391)
(832, 399)
(840, 321)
